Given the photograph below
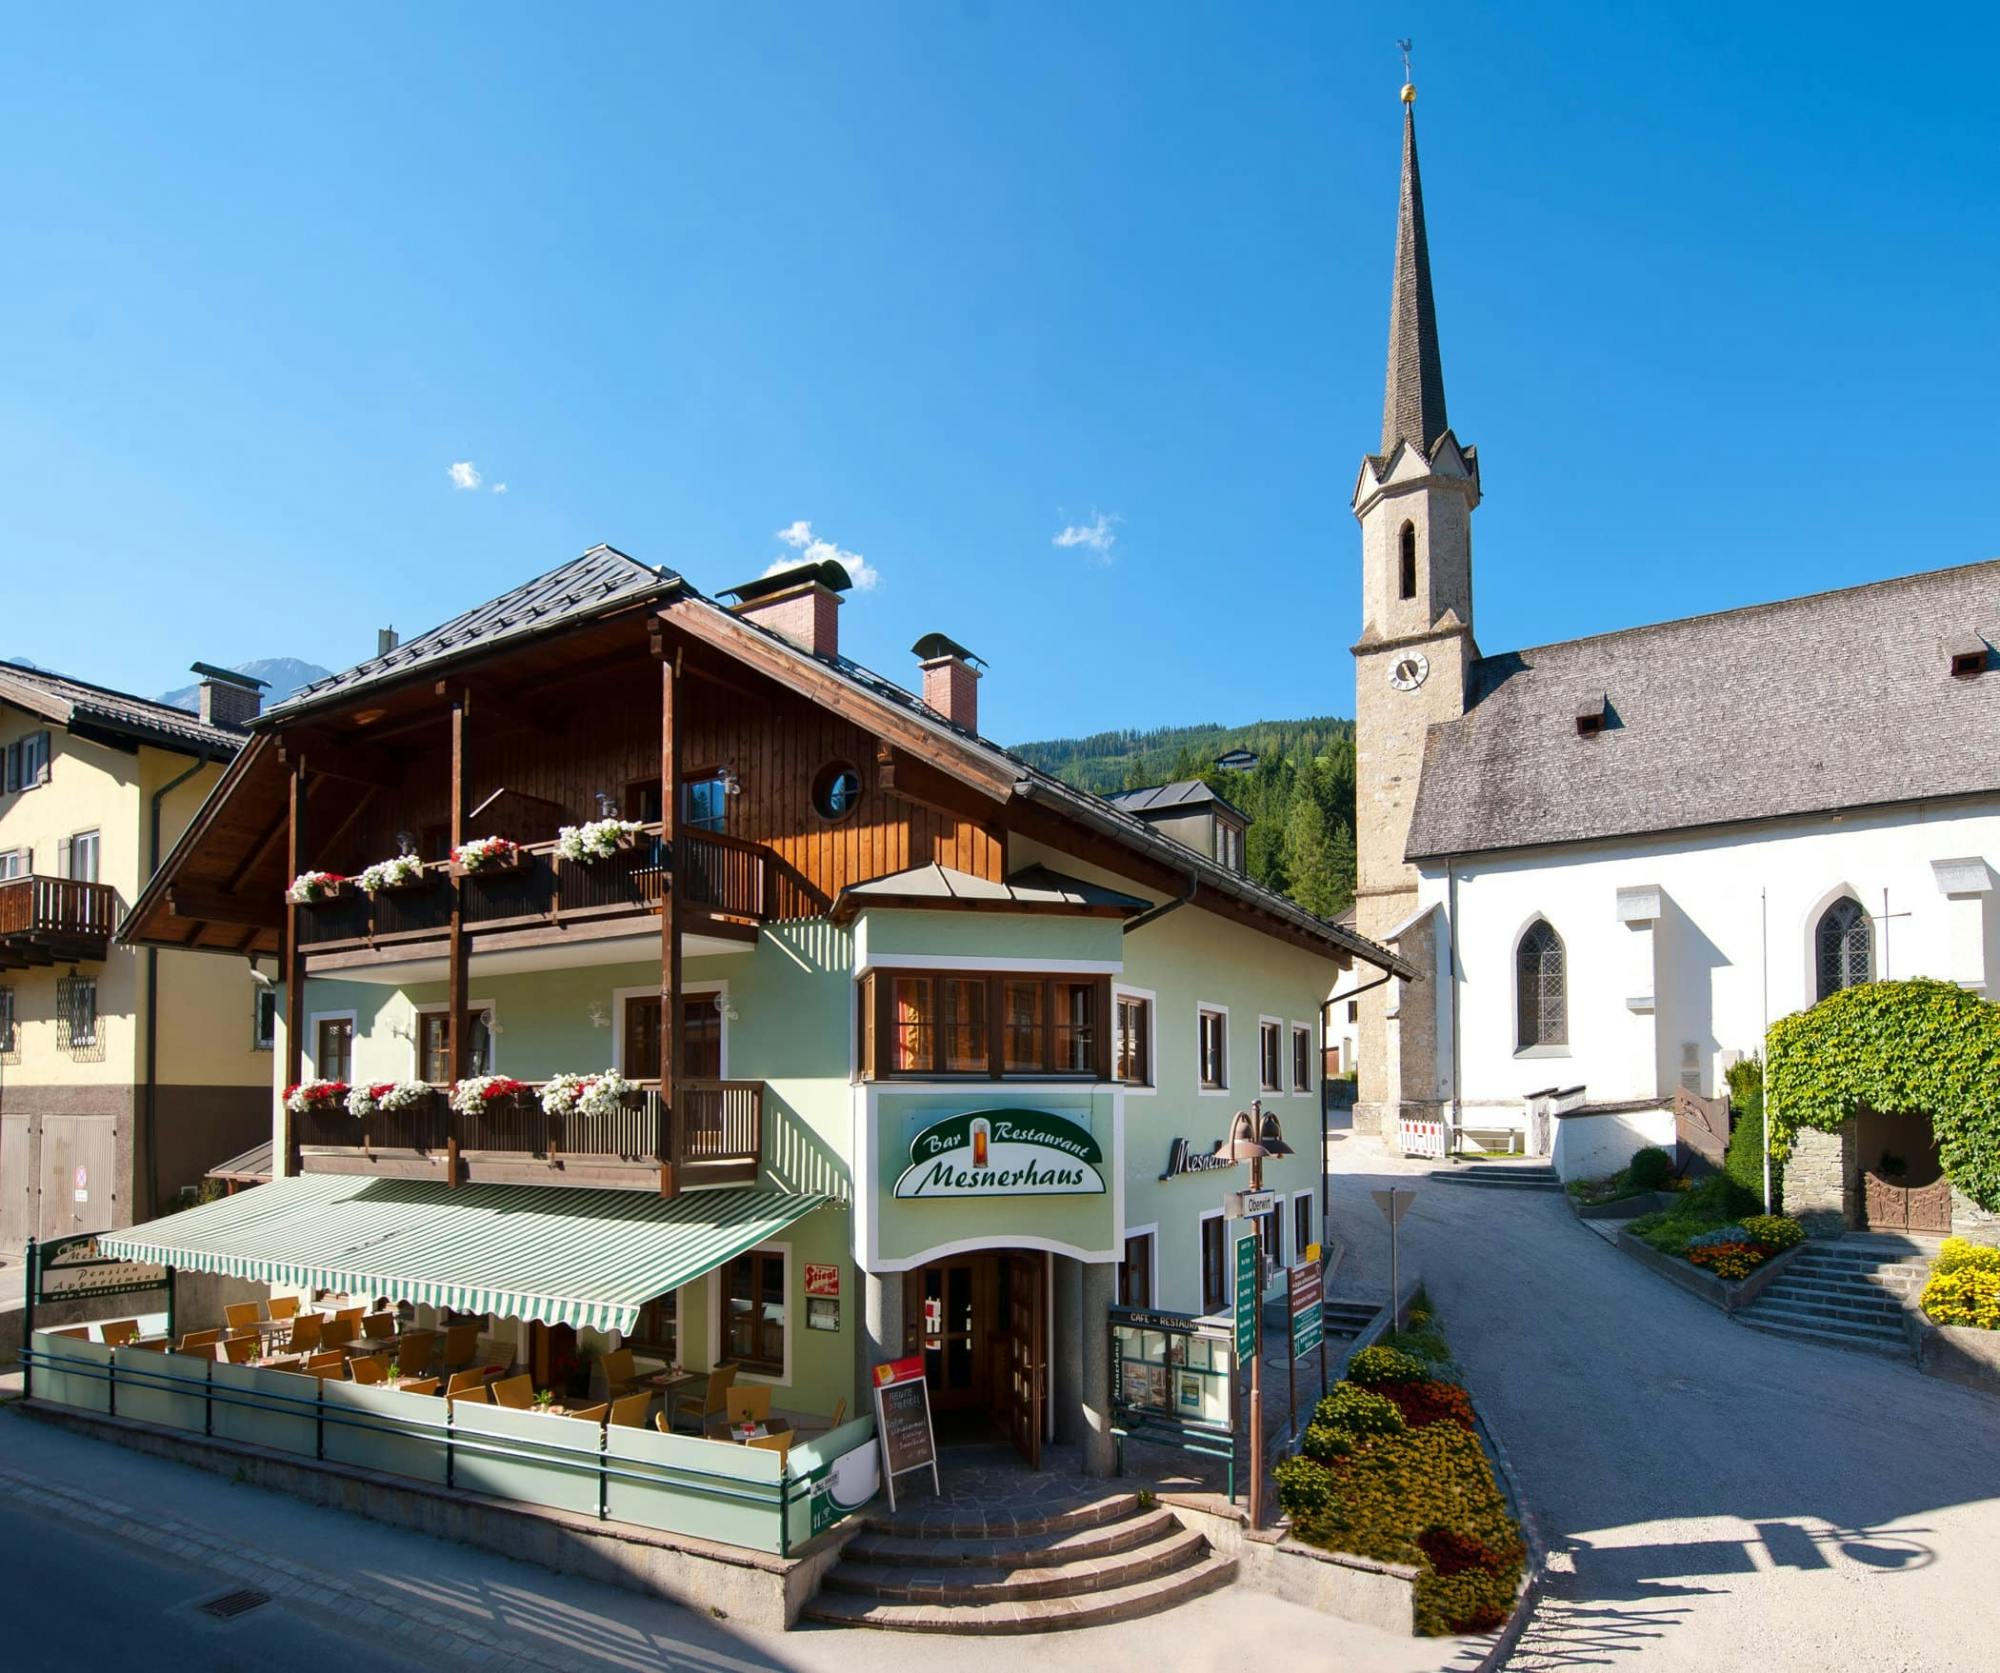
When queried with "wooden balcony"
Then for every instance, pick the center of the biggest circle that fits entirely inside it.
(718, 1138)
(51, 920)
(725, 883)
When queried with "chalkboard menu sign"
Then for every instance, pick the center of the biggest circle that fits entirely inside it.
(903, 1422)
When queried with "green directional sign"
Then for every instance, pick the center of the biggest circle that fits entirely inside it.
(1247, 1298)
(1306, 1289)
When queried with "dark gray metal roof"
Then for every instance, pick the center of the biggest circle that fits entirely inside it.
(1812, 705)
(1177, 797)
(602, 579)
(1034, 886)
(118, 716)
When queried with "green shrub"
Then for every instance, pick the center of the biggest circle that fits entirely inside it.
(1420, 1342)
(1743, 1161)
(1717, 1200)
(1650, 1169)
(1774, 1231)
(1400, 1498)
(1386, 1365)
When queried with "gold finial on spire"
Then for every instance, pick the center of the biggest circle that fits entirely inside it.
(1409, 86)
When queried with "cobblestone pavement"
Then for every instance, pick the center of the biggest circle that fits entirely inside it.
(1712, 1497)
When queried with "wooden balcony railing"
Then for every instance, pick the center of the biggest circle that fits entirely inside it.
(43, 919)
(718, 1137)
(721, 874)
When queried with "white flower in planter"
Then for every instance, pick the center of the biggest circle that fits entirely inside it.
(310, 887)
(559, 1096)
(490, 853)
(398, 873)
(599, 839)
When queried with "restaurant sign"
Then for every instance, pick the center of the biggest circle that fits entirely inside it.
(76, 1268)
(1003, 1153)
(1182, 1157)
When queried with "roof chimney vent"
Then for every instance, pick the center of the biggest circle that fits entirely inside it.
(951, 682)
(1968, 656)
(1592, 715)
(800, 603)
(228, 698)
(386, 640)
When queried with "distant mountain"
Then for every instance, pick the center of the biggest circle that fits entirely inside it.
(24, 662)
(282, 675)
(1299, 794)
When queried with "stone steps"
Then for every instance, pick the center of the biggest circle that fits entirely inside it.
(1040, 1568)
(1778, 1299)
(1846, 1294)
(1509, 1176)
(1348, 1318)
(1048, 1614)
(1855, 1341)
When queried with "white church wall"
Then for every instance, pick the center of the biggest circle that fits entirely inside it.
(1706, 946)
(1591, 1146)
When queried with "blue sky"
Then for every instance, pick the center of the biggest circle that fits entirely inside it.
(1716, 292)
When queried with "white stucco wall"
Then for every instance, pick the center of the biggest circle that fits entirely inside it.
(1643, 989)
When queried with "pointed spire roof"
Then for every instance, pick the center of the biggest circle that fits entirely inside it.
(1413, 398)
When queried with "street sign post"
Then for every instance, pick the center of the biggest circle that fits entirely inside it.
(1246, 1298)
(1394, 1204)
(1302, 1297)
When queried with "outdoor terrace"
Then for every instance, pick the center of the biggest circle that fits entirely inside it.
(50, 920)
(712, 1133)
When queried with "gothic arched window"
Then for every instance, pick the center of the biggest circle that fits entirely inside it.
(1541, 1005)
(1407, 567)
(1845, 948)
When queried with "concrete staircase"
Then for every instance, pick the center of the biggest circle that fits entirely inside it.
(933, 1569)
(1848, 1292)
(1345, 1319)
(1524, 1175)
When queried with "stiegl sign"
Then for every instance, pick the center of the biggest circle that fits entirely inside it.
(1003, 1153)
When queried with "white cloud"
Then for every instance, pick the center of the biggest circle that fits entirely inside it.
(1096, 537)
(464, 474)
(810, 548)
(499, 487)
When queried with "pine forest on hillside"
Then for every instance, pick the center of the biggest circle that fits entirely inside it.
(1299, 796)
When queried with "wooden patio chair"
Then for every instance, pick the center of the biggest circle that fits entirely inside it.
(780, 1444)
(591, 1414)
(815, 1426)
(75, 1332)
(118, 1332)
(243, 1315)
(305, 1334)
(708, 1406)
(349, 1315)
(414, 1349)
(461, 1380)
(473, 1396)
(195, 1340)
(517, 1392)
(285, 1364)
(337, 1332)
(748, 1405)
(150, 1344)
(620, 1373)
(329, 1367)
(379, 1327)
(282, 1307)
(240, 1350)
(371, 1368)
(461, 1342)
(423, 1385)
(628, 1411)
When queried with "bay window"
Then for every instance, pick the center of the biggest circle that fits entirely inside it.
(960, 1023)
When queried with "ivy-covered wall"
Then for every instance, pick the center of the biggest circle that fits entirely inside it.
(1921, 1046)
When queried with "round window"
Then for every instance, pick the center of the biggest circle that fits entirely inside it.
(836, 790)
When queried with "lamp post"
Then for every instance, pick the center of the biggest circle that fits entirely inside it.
(1254, 1134)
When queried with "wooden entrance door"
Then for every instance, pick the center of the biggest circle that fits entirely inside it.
(949, 1319)
(1903, 1188)
(1026, 1387)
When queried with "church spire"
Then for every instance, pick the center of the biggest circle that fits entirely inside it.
(1413, 399)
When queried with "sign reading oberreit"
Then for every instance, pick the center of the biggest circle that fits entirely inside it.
(1003, 1153)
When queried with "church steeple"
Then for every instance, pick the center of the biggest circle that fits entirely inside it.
(1413, 398)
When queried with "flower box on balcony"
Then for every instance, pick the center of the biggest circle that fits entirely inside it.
(403, 875)
(600, 839)
(315, 888)
(487, 857)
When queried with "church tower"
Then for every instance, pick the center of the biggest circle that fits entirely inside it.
(1414, 500)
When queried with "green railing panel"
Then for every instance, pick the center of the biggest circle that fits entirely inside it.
(385, 1429)
(87, 1388)
(527, 1456)
(168, 1389)
(683, 1484)
(277, 1409)
(840, 1472)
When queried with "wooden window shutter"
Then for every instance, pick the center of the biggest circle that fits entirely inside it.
(41, 758)
(62, 856)
(13, 778)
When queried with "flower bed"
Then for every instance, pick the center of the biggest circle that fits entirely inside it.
(1390, 1469)
(1714, 1227)
(1964, 1286)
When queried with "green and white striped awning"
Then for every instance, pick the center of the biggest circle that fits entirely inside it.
(553, 1253)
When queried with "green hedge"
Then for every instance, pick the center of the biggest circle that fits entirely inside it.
(1922, 1046)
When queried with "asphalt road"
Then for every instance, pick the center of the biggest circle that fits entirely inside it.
(1712, 1497)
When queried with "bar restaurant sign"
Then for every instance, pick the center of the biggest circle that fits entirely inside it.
(1003, 1153)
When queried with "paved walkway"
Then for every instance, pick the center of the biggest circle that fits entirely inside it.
(1713, 1498)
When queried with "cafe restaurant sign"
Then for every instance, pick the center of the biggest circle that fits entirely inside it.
(1003, 1153)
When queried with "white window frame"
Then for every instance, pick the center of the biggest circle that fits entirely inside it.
(1313, 1061)
(621, 997)
(16, 862)
(1277, 1087)
(1228, 1263)
(309, 1046)
(1202, 1089)
(94, 836)
(1152, 1265)
(1151, 1084)
(10, 1024)
(793, 1274)
(442, 1008)
(1307, 1196)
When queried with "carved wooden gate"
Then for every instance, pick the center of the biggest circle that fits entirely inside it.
(1903, 1187)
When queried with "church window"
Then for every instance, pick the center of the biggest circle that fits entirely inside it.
(1541, 1001)
(1407, 586)
(1846, 951)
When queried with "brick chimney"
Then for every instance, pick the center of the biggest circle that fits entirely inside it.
(951, 682)
(228, 698)
(801, 604)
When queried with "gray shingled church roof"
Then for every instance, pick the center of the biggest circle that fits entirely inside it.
(1812, 705)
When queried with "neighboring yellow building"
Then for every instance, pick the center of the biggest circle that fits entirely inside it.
(125, 1074)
